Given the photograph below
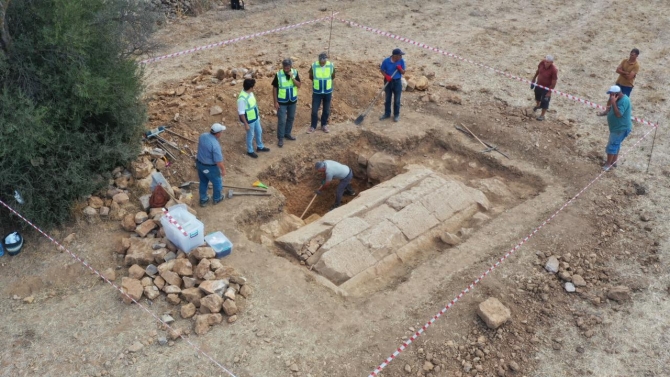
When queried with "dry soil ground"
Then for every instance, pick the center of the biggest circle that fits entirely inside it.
(293, 325)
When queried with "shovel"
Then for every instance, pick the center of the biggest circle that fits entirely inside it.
(361, 117)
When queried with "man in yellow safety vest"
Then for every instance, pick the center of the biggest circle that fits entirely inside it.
(247, 109)
(286, 83)
(322, 74)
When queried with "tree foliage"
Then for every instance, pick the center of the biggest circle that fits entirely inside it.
(70, 106)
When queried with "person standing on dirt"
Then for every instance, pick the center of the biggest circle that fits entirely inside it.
(209, 163)
(322, 74)
(334, 170)
(627, 71)
(547, 76)
(619, 120)
(247, 109)
(286, 84)
(393, 68)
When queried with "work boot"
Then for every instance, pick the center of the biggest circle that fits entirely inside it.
(203, 203)
(350, 193)
(396, 118)
(264, 149)
(289, 137)
(252, 154)
(219, 201)
(384, 117)
(280, 143)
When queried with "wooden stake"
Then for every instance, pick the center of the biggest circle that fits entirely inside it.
(652, 150)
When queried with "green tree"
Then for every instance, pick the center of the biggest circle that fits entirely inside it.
(70, 106)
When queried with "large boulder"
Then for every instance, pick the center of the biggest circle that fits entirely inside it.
(381, 167)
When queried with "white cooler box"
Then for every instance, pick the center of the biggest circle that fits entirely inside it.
(195, 230)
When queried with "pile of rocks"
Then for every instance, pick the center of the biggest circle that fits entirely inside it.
(198, 282)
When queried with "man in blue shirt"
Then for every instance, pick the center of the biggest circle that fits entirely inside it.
(618, 113)
(209, 163)
(393, 68)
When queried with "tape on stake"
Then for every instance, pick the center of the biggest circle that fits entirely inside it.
(503, 73)
(493, 267)
(223, 43)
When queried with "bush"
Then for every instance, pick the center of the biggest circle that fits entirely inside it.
(70, 107)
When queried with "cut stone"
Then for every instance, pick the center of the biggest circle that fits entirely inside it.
(345, 230)
(382, 239)
(493, 313)
(344, 261)
(414, 220)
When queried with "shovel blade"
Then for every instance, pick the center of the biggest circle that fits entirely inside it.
(359, 120)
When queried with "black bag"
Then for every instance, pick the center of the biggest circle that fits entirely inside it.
(235, 4)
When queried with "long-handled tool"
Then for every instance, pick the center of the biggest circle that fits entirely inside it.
(309, 205)
(187, 184)
(361, 117)
(489, 147)
(183, 137)
(232, 193)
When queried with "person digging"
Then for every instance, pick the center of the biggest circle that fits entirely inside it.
(334, 170)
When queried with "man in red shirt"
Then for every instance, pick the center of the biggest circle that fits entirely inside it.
(547, 75)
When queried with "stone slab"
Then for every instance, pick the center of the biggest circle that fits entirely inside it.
(378, 214)
(345, 230)
(382, 239)
(344, 261)
(425, 187)
(414, 220)
(294, 241)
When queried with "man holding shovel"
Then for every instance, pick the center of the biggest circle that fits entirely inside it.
(334, 170)
(393, 68)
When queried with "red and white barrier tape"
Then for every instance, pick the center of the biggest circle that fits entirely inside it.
(174, 222)
(490, 269)
(78, 259)
(503, 73)
(222, 43)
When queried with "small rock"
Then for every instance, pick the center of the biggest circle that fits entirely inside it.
(95, 202)
(104, 211)
(552, 265)
(450, 239)
(569, 287)
(619, 293)
(128, 223)
(215, 110)
(408, 369)
(578, 281)
(121, 198)
(141, 217)
(131, 287)
(162, 340)
(167, 318)
(294, 368)
(493, 313)
(151, 292)
(29, 300)
(173, 299)
(229, 307)
(245, 291)
(109, 274)
(428, 366)
(188, 310)
(69, 239)
(232, 319)
(513, 366)
(136, 272)
(143, 229)
(151, 270)
(135, 347)
(90, 211)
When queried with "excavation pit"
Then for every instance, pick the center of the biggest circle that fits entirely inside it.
(413, 202)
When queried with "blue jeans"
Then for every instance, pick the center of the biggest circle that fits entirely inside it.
(615, 140)
(285, 117)
(626, 90)
(207, 173)
(255, 129)
(394, 87)
(316, 103)
(344, 185)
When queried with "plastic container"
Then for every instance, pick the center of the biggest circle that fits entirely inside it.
(220, 243)
(195, 230)
(12, 243)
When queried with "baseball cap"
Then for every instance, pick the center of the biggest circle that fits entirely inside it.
(397, 51)
(319, 165)
(323, 56)
(218, 127)
(614, 89)
(549, 58)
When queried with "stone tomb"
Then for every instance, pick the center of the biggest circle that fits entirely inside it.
(384, 226)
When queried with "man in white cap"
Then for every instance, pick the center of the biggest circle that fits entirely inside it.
(393, 68)
(322, 74)
(547, 76)
(334, 170)
(209, 163)
(619, 120)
